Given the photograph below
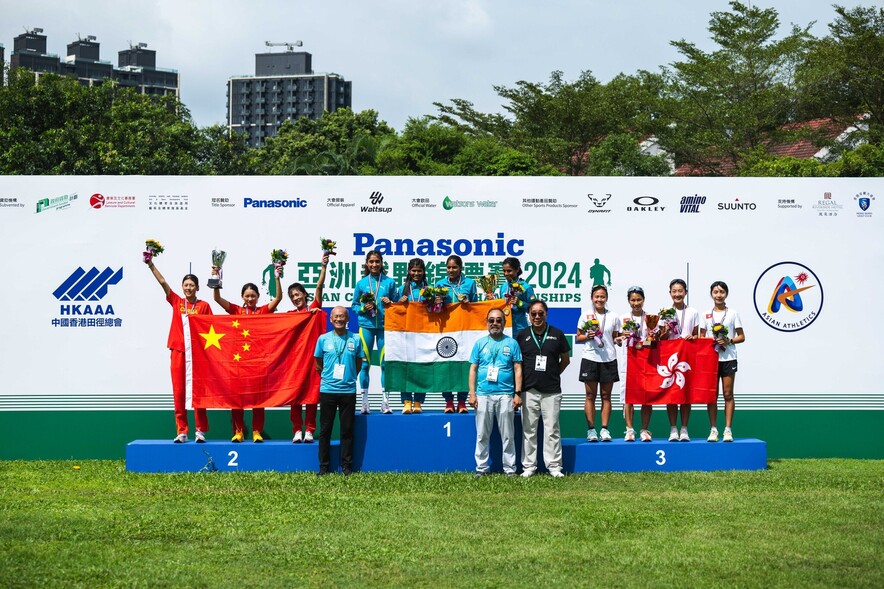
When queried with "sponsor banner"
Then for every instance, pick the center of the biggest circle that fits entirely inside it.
(795, 253)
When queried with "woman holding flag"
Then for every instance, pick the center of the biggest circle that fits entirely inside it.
(633, 331)
(189, 305)
(460, 290)
(598, 368)
(683, 323)
(726, 329)
(412, 286)
(250, 306)
(373, 293)
(298, 296)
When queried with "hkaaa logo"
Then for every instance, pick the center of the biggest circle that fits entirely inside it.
(788, 296)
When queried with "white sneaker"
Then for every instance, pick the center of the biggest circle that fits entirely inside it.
(683, 436)
(366, 409)
(630, 435)
(645, 436)
(385, 408)
(556, 474)
(673, 434)
(180, 438)
(200, 437)
(592, 435)
(605, 435)
(713, 435)
(298, 437)
(527, 474)
(728, 435)
(308, 437)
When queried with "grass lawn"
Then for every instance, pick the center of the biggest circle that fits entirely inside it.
(802, 523)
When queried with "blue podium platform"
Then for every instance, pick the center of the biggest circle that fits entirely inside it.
(438, 442)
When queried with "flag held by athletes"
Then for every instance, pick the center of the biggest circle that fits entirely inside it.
(244, 361)
(430, 352)
(675, 372)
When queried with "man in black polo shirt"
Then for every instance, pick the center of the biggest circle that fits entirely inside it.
(545, 355)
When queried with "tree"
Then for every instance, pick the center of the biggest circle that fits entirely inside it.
(620, 155)
(223, 153)
(719, 106)
(842, 75)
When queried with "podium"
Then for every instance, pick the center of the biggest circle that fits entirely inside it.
(438, 442)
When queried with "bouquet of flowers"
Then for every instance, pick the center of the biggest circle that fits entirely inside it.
(152, 248)
(592, 324)
(719, 331)
(279, 258)
(632, 331)
(328, 246)
(669, 317)
(429, 294)
(513, 293)
(367, 297)
(488, 284)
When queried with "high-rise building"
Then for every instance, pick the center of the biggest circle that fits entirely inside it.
(2, 63)
(137, 65)
(283, 88)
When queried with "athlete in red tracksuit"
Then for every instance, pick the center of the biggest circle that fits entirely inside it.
(298, 296)
(250, 300)
(189, 305)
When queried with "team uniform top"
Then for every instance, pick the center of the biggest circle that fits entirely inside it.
(314, 304)
(464, 286)
(500, 353)
(731, 320)
(520, 316)
(412, 290)
(609, 323)
(182, 307)
(550, 345)
(380, 287)
(234, 309)
(687, 320)
(339, 350)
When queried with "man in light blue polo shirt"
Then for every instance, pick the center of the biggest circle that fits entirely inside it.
(495, 389)
(339, 357)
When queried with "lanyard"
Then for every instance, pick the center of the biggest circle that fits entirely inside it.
(374, 291)
(602, 322)
(339, 352)
(456, 287)
(541, 342)
(411, 291)
(495, 350)
(723, 317)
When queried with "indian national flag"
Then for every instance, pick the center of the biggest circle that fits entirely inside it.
(430, 352)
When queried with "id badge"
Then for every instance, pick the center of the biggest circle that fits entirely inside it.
(492, 374)
(540, 364)
(338, 373)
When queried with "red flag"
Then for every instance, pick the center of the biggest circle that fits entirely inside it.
(674, 372)
(244, 361)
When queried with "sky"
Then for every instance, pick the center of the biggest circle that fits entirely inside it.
(400, 55)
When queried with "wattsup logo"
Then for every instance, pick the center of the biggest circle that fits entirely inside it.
(788, 296)
(376, 198)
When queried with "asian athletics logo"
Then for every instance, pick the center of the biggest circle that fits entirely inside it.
(673, 373)
(446, 347)
(788, 296)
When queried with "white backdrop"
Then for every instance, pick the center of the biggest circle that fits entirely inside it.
(57, 356)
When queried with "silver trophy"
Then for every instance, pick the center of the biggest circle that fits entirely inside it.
(218, 257)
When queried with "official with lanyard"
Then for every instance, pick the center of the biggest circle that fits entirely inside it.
(545, 355)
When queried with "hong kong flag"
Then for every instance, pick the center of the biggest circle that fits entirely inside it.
(674, 372)
(245, 361)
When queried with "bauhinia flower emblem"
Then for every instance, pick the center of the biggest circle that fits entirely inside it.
(673, 372)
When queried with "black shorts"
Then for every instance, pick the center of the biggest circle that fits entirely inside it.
(728, 368)
(602, 372)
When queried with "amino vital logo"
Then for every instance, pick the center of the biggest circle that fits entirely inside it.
(691, 204)
(295, 203)
(376, 198)
(87, 286)
(788, 296)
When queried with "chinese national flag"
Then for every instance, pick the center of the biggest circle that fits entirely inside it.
(245, 361)
(675, 372)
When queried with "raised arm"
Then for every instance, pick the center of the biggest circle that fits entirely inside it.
(225, 304)
(159, 276)
(271, 306)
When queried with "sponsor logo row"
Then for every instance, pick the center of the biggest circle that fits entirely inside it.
(861, 204)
